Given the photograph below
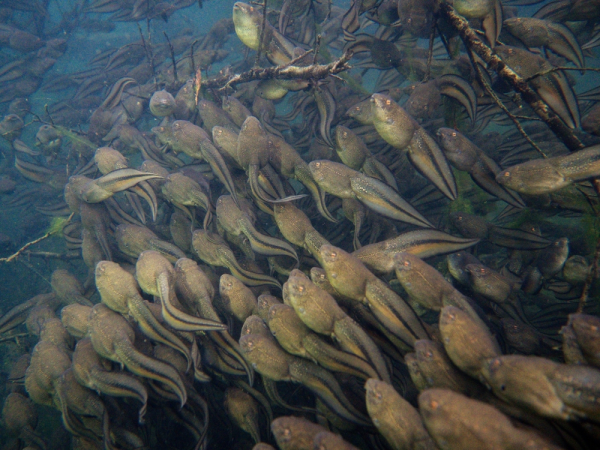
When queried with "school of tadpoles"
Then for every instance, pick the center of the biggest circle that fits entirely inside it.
(375, 227)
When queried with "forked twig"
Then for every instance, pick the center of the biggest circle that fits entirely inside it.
(35, 241)
(283, 72)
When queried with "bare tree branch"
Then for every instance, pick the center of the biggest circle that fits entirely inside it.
(282, 72)
(472, 42)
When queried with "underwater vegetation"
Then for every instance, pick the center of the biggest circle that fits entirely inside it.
(300, 224)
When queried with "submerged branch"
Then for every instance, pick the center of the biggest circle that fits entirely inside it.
(172, 57)
(282, 72)
(53, 255)
(262, 34)
(473, 43)
(430, 51)
(35, 241)
(557, 69)
(13, 336)
(501, 105)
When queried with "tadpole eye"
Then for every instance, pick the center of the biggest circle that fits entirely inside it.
(388, 102)
(454, 134)
(506, 174)
(502, 387)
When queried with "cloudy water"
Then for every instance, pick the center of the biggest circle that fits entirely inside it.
(299, 224)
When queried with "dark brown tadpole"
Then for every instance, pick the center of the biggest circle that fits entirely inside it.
(20, 419)
(237, 298)
(586, 330)
(350, 278)
(438, 371)
(133, 240)
(467, 341)
(156, 276)
(120, 291)
(460, 422)
(395, 418)
(422, 282)
(214, 250)
(75, 319)
(552, 87)
(295, 432)
(183, 191)
(320, 312)
(543, 386)
(355, 154)
(237, 222)
(113, 338)
(94, 372)
(379, 257)
(340, 180)
(68, 288)
(162, 104)
(243, 409)
(48, 362)
(401, 131)
(466, 156)
(194, 141)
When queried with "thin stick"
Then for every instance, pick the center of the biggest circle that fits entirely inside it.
(556, 69)
(35, 241)
(501, 105)
(317, 48)
(472, 41)
(297, 58)
(172, 57)
(430, 54)
(72, 255)
(13, 336)
(197, 85)
(527, 118)
(262, 34)
(192, 55)
(34, 270)
(474, 44)
(48, 114)
(148, 53)
(590, 279)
